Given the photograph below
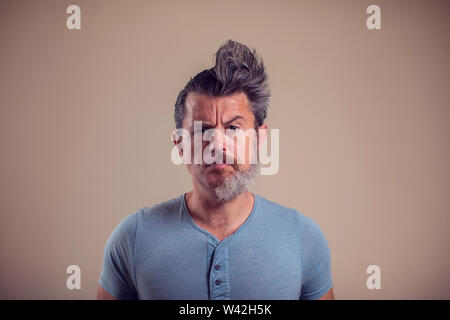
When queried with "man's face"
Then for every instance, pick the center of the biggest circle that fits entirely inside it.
(226, 115)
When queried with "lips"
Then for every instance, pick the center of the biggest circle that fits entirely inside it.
(217, 165)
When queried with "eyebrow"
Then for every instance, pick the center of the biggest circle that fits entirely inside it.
(234, 119)
(209, 125)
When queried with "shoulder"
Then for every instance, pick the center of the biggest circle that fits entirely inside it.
(125, 231)
(129, 226)
(162, 212)
(288, 218)
(282, 213)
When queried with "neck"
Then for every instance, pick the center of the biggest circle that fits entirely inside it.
(220, 219)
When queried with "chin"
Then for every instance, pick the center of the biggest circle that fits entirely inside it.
(215, 179)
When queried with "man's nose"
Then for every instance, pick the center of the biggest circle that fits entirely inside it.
(218, 139)
(218, 142)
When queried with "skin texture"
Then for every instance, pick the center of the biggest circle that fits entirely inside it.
(102, 294)
(328, 296)
(220, 219)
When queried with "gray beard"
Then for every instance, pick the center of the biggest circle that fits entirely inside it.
(234, 185)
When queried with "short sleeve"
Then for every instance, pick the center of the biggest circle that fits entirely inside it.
(117, 275)
(316, 261)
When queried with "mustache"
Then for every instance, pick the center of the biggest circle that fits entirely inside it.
(221, 157)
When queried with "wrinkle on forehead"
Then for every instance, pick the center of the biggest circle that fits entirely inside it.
(207, 109)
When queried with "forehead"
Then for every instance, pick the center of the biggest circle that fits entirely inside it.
(206, 108)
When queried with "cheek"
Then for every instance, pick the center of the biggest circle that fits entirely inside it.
(195, 170)
(199, 149)
(252, 149)
(246, 149)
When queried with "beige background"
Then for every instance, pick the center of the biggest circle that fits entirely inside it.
(86, 117)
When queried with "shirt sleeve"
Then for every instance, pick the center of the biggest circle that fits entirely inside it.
(117, 276)
(316, 262)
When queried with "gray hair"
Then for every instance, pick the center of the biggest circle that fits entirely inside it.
(232, 186)
(237, 69)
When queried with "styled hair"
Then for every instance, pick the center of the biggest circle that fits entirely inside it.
(237, 69)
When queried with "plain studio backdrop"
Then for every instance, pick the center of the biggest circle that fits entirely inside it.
(86, 117)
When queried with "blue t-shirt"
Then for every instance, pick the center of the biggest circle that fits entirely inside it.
(161, 253)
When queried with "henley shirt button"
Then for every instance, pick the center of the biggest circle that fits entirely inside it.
(217, 267)
(218, 282)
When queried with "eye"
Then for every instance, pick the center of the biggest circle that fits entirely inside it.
(202, 131)
(234, 128)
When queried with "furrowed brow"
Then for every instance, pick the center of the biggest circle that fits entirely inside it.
(204, 125)
(238, 117)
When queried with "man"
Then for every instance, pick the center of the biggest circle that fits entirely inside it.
(219, 241)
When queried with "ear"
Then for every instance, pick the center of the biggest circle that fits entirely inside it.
(177, 141)
(262, 134)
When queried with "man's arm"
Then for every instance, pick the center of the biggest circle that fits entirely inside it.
(328, 296)
(102, 294)
(117, 274)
